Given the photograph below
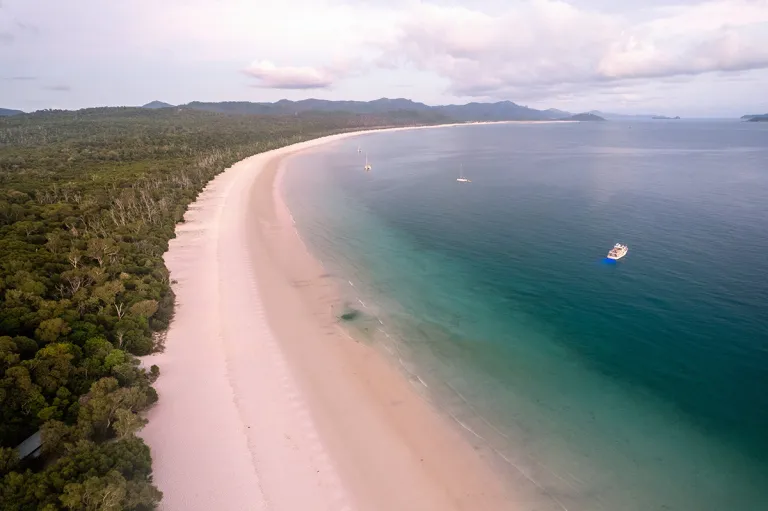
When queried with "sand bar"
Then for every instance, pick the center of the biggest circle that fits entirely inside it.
(265, 402)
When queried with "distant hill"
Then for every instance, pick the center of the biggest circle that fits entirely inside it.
(157, 104)
(287, 107)
(584, 117)
(618, 117)
(665, 117)
(557, 114)
(757, 118)
(501, 111)
(5, 112)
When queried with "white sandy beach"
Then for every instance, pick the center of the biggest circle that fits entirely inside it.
(265, 403)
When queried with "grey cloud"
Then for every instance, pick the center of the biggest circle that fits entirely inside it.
(725, 50)
(58, 88)
(736, 77)
(27, 27)
(299, 84)
(548, 46)
(273, 77)
(21, 78)
(270, 76)
(24, 26)
(495, 90)
(14, 28)
(518, 93)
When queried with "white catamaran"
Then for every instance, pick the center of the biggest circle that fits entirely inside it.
(367, 165)
(618, 251)
(461, 178)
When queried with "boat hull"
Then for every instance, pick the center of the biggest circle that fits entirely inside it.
(616, 257)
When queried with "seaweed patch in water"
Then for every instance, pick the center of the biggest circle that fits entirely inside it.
(350, 315)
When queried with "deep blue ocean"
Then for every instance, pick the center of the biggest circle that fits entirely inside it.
(632, 386)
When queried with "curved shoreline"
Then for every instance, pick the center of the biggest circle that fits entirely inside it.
(265, 403)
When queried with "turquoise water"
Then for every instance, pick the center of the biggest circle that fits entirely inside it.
(639, 385)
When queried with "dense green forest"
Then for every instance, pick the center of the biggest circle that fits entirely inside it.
(88, 202)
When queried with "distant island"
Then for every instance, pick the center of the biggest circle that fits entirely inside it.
(665, 117)
(584, 117)
(7, 112)
(755, 118)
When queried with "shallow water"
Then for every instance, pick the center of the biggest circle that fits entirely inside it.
(638, 385)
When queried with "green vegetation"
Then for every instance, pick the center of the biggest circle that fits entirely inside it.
(88, 202)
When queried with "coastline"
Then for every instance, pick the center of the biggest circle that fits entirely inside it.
(266, 403)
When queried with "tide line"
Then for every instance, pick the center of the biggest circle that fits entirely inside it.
(474, 411)
(465, 426)
(531, 479)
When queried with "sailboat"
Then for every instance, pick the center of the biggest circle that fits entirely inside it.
(367, 165)
(461, 178)
(359, 150)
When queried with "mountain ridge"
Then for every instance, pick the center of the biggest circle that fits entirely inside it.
(474, 111)
(7, 112)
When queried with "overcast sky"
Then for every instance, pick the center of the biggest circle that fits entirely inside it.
(674, 57)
